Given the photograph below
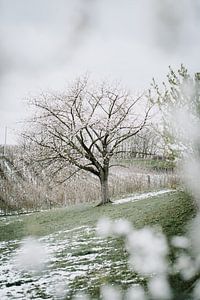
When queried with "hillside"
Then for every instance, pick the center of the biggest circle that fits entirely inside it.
(78, 256)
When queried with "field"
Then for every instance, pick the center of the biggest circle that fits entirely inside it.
(78, 259)
(149, 164)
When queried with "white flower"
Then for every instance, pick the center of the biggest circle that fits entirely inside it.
(185, 265)
(159, 288)
(31, 256)
(104, 227)
(109, 292)
(135, 293)
(148, 250)
(122, 227)
(180, 242)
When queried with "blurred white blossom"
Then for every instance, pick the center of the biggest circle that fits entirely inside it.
(148, 250)
(186, 266)
(191, 172)
(80, 296)
(60, 290)
(109, 292)
(122, 227)
(180, 242)
(135, 293)
(104, 227)
(196, 291)
(159, 288)
(31, 256)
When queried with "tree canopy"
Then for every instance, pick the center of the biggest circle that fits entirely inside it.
(179, 103)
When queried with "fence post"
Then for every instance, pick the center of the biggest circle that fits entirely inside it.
(148, 180)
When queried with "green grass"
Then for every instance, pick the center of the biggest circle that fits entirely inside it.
(150, 164)
(171, 211)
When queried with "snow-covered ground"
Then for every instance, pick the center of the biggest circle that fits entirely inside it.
(61, 266)
(70, 255)
(142, 196)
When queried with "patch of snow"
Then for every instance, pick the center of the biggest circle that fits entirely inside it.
(66, 261)
(142, 196)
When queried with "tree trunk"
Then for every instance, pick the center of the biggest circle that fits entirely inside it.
(104, 189)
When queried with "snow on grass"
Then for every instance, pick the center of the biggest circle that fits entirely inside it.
(75, 259)
(71, 255)
(142, 196)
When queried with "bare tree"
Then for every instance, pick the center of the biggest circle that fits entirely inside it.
(83, 128)
(146, 144)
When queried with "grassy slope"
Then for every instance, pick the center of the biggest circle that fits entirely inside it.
(171, 211)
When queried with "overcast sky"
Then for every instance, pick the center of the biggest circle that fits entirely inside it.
(46, 43)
